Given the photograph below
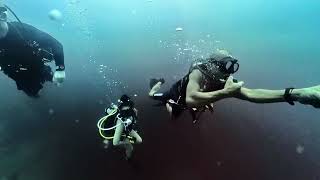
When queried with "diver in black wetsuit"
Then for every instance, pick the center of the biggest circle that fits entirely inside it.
(25, 53)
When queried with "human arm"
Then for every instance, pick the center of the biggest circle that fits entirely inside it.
(310, 95)
(45, 41)
(195, 97)
(263, 95)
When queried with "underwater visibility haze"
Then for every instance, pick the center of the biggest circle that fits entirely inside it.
(113, 47)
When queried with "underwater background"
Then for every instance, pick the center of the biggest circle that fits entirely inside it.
(114, 47)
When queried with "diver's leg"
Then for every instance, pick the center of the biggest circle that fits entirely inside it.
(129, 150)
(155, 85)
(117, 134)
(124, 144)
(129, 147)
(155, 89)
(138, 138)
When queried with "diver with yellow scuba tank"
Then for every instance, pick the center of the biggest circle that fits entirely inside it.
(120, 125)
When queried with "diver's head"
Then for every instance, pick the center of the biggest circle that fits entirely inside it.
(126, 106)
(3, 21)
(126, 102)
(219, 66)
(224, 61)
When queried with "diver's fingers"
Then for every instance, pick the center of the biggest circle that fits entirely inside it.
(241, 83)
(229, 80)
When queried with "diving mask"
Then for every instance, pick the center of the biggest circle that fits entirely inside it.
(227, 65)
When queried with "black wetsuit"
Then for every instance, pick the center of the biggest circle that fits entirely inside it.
(24, 53)
(177, 92)
(112, 121)
(130, 113)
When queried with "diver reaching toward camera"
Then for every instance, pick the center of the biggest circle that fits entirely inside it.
(209, 80)
(25, 53)
(120, 125)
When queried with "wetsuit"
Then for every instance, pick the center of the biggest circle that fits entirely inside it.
(124, 114)
(177, 93)
(130, 113)
(211, 82)
(24, 53)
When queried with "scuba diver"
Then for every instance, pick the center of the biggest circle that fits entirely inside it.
(209, 80)
(120, 125)
(25, 53)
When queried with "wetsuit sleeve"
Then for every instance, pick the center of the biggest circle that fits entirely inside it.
(46, 42)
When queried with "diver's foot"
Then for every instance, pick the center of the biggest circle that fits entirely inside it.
(130, 157)
(154, 81)
(106, 143)
(129, 152)
(310, 96)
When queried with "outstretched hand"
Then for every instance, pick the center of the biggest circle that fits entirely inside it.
(232, 87)
(310, 96)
